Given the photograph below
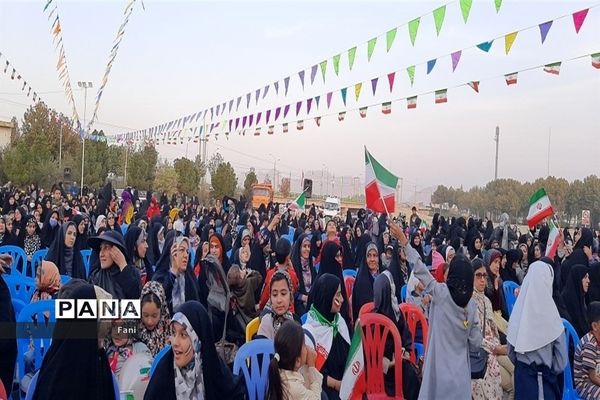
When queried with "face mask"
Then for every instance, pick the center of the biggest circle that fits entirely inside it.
(53, 222)
(31, 205)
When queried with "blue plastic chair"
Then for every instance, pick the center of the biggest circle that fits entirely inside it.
(569, 392)
(158, 357)
(19, 263)
(349, 272)
(36, 260)
(286, 237)
(510, 298)
(85, 254)
(18, 305)
(255, 375)
(291, 231)
(403, 290)
(124, 228)
(32, 385)
(219, 229)
(64, 279)
(303, 318)
(21, 287)
(229, 252)
(35, 323)
(116, 387)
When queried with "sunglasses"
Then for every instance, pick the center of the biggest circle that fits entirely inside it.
(481, 275)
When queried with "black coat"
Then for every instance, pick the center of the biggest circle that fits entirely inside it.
(8, 346)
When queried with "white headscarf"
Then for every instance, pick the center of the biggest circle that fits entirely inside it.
(413, 281)
(99, 221)
(189, 380)
(535, 321)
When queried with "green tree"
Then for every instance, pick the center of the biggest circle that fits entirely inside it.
(141, 169)
(214, 162)
(250, 180)
(223, 180)
(166, 179)
(188, 176)
(200, 165)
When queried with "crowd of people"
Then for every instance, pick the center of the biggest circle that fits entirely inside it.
(203, 273)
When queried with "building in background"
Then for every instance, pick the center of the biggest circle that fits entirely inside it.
(5, 131)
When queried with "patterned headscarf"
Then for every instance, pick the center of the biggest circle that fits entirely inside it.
(157, 338)
(47, 281)
(278, 320)
(189, 380)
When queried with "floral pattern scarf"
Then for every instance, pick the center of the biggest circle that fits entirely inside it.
(189, 380)
(157, 338)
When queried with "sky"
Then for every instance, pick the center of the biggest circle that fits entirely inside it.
(180, 57)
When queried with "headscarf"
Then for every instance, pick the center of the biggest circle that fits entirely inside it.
(217, 239)
(49, 230)
(278, 320)
(573, 300)
(81, 240)
(99, 220)
(535, 321)
(586, 238)
(362, 292)
(460, 280)
(62, 255)
(47, 281)
(322, 296)
(330, 265)
(385, 299)
(508, 273)
(297, 262)
(439, 274)
(157, 338)
(418, 248)
(190, 379)
(449, 249)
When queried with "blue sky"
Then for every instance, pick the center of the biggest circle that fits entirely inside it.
(179, 57)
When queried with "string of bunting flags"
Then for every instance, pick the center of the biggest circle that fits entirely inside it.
(218, 111)
(111, 59)
(440, 97)
(7, 66)
(61, 66)
(176, 129)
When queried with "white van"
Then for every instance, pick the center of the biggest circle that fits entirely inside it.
(331, 207)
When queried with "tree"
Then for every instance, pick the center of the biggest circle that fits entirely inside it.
(141, 171)
(200, 165)
(223, 180)
(284, 188)
(166, 180)
(214, 162)
(188, 176)
(250, 180)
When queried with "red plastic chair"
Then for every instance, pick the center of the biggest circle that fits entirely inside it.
(375, 331)
(413, 316)
(366, 308)
(349, 282)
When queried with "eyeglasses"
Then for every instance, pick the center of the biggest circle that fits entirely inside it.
(481, 275)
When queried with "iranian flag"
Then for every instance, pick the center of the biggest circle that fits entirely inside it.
(596, 60)
(299, 203)
(511, 79)
(539, 208)
(553, 68)
(441, 96)
(411, 102)
(553, 239)
(341, 115)
(386, 108)
(380, 186)
(363, 112)
(354, 380)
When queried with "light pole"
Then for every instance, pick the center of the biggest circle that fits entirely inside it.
(85, 86)
(275, 159)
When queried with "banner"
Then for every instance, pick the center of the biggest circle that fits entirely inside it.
(26, 85)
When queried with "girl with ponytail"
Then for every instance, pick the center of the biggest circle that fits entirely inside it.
(292, 372)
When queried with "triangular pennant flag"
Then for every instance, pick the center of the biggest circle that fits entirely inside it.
(441, 96)
(351, 56)
(276, 84)
(300, 125)
(313, 73)
(411, 102)
(474, 85)
(244, 120)
(371, 47)
(277, 112)
(413, 28)
(336, 64)
(341, 115)
(455, 59)
(265, 91)
(258, 118)
(285, 127)
(511, 79)
(357, 89)
(411, 74)
(230, 124)
(248, 100)
(250, 119)
(308, 105)
(578, 18)
(329, 97)
(509, 40)
(386, 108)
(323, 65)
(286, 84)
(430, 65)
(374, 85)
(553, 68)
(485, 46)
(318, 121)
(271, 129)
(544, 28)
(216, 112)
(317, 98)
(268, 116)
(438, 18)
(363, 112)
(237, 106)
(286, 109)
(301, 76)
(298, 107)
(498, 4)
(596, 60)
(389, 38)
(391, 77)
(344, 92)
(465, 7)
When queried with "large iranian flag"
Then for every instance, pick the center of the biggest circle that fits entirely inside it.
(354, 381)
(539, 208)
(299, 203)
(380, 186)
(553, 239)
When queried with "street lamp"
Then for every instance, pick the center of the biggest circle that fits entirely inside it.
(85, 86)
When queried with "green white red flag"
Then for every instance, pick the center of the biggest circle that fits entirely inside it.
(539, 208)
(380, 186)
(553, 239)
(354, 381)
(299, 203)
(553, 68)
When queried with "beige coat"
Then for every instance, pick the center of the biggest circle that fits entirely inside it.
(304, 384)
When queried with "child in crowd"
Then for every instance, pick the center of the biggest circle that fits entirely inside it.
(155, 326)
(122, 346)
(32, 241)
(243, 284)
(415, 294)
(278, 309)
(586, 365)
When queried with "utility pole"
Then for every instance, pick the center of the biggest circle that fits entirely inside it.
(85, 86)
(60, 147)
(497, 140)
(401, 185)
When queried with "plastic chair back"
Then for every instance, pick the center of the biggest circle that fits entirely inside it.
(19, 259)
(510, 298)
(64, 279)
(256, 374)
(569, 392)
(86, 254)
(252, 328)
(365, 309)
(349, 283)
(18, 305)
(403, 290)
(291, 231)
(32, 386)
(158, 357)
(229, 252)
(36, 261)
(34, 326)
(116, 387)
(303, 318)
(349, 272)
(375, 330)
(413, 316)
(21, 287)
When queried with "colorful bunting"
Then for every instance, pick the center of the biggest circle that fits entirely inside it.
(438, 18)
(413, 28)
(455, 59)
(357, 89)
(341, 115)
(474, 85)
(300, 125)
(389, 38)
(276, 84)
(265, 91)
(363, 112)
(374, 85)
(336, 64)
(298, 107)
(258, 118)
(511, 79)
(301, 75)
(285, 127)
(544, 28)
(386, 108)
(248, 95)
(344, 92)
(329, 97)
(250, 119)
(268, 116)
(317, 98)
(318, 121)
(323, 65)
(313, 73)
(465, 8)
(286, 84)
(257, 132)
(509, 40)
(271, 129)
(237, 106)
(441, 96)
(411, 74)
(430, 65)
(596, 60)
(578, 18)
(391, 77)
(308, 105)
(553, 68)
(411, 102)
(277, 112)
(286, 109)
(485, 46)
(498, 4)
(351, 56)
(371, 47)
